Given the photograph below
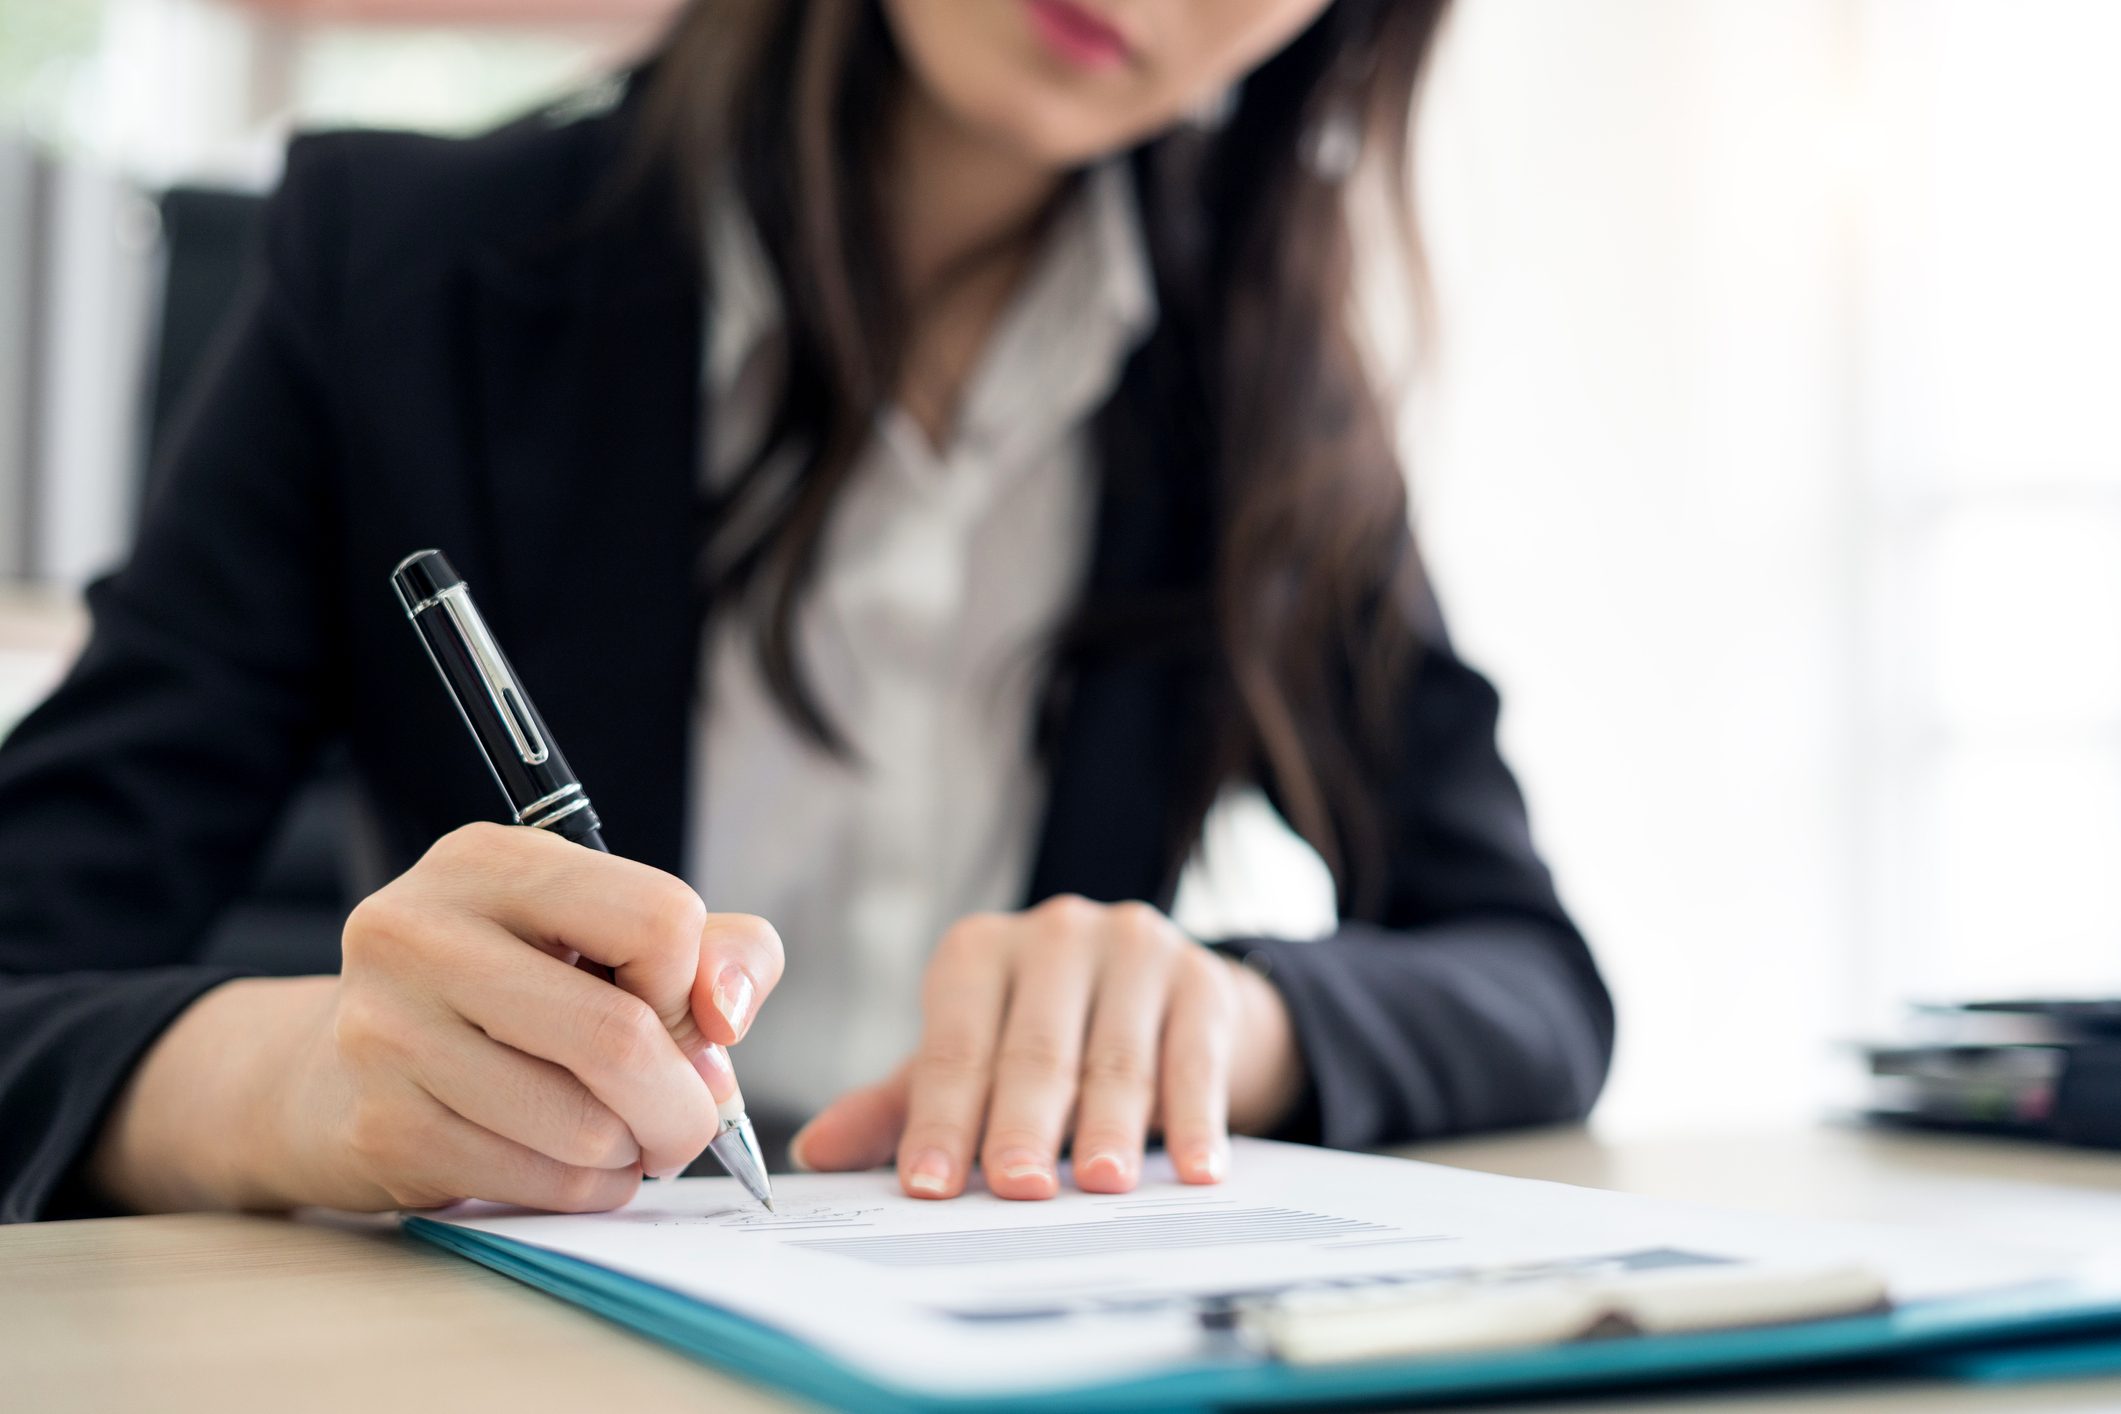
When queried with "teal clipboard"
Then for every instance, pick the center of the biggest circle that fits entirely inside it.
(2062, 1330)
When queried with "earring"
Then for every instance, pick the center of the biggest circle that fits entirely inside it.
(1332, 147)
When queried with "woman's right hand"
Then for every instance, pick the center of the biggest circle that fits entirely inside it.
(460, 1053)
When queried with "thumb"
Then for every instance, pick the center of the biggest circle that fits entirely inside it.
(859, 1130)
(740, 961)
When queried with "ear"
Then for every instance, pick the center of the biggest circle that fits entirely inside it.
(859, 1130)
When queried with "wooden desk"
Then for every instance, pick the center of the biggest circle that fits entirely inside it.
(234, 1314)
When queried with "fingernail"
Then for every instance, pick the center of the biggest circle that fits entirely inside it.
(795, 1151)
(1019, 1164)
(930, 1174)
(1102, 1164)
(712, 1062)
(1212, 1162)
(672, 1172)
(733, 995)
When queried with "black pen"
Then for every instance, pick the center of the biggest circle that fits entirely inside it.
(541, 790)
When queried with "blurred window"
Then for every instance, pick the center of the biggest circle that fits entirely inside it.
(1771, 461)
(1992, 295)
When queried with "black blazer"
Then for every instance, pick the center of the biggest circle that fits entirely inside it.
(422, 362)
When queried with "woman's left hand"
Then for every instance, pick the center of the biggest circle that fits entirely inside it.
(1074, 1019)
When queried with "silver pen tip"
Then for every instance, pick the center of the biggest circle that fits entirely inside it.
(736, 1149)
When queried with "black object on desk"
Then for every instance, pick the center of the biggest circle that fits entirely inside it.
(2028, 1069)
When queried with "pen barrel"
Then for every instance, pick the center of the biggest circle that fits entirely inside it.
(584, 829)
(541, 788)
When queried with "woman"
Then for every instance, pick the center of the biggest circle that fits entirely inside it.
(968, 391)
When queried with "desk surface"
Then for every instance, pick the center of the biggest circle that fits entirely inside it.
(233, 1314)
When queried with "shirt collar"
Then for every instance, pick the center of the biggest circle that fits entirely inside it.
(1127, 289)
(1102, 229)
(747, 306)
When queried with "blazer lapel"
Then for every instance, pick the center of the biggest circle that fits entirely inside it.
(589, 355)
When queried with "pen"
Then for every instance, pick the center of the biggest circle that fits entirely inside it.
(541, 790)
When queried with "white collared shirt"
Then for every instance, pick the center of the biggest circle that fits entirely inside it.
(945, 573)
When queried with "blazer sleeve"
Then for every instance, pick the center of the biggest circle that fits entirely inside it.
(1470, 1001)
(136, 800)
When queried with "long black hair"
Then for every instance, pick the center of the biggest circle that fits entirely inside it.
(1310, 549)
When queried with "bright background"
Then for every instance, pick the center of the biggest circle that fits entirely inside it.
(1770, 458)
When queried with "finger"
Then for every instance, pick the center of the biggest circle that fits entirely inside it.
(520, 1097)
(961, 1003)
(740, 961)
(609, 1039)
(553, 892)
(1039, 1058)
(1196, 1069)
(1120, 1063)
(859, 1130)
(647, 926)
(434, 1156)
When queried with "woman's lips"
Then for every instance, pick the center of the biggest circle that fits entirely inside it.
(1078, 35)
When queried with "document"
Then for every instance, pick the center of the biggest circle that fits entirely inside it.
(979, 1294)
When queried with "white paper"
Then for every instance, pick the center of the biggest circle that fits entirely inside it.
(980, 1294)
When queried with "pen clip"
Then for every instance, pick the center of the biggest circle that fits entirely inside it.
(501, 686)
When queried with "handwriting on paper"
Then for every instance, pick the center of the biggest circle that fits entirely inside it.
(800, 1217)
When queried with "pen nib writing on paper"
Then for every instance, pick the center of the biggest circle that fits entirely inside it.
(799, 1217)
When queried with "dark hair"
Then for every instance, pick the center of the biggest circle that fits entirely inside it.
(1248, 223)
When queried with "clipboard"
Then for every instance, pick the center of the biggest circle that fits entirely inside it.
(2048, 1329)
(1308, 1276)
